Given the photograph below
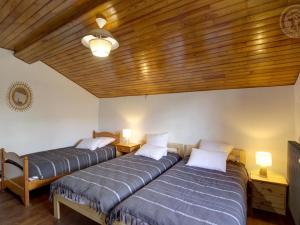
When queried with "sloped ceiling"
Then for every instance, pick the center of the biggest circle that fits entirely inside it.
(166, 46)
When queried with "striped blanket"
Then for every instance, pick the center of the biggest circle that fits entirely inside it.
(188, 195)
(61, 161)
(104, 185)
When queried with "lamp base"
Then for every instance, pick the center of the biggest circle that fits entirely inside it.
(126, 141)
(263, 172)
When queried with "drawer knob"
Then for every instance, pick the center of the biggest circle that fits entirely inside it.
(299, 160)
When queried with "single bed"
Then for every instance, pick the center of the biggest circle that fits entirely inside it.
(21, 174)
(96, 190)
(188, 195)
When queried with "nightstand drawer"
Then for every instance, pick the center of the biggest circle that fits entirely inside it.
(266, 207)
(125, 149)
(269, 189)
(269, 200)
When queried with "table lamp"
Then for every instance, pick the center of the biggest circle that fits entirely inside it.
(126, 135)
(264, 159)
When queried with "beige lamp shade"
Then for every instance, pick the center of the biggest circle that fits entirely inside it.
(100, 47)
(126, 133)
(264, 159)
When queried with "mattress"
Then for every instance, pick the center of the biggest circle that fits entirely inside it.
(47, 164)
(188, 195)
(107, 184)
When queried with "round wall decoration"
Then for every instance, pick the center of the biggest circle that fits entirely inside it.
(290, 21)
(19, 96)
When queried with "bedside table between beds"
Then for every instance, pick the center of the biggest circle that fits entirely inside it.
(124, 148)
(269, 193)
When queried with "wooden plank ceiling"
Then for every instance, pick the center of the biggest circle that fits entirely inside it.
(166, 46)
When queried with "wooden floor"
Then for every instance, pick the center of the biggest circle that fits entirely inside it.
(40, 212)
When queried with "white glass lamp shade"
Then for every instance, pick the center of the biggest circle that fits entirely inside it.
(264, 159)
(100, 47)
(126, 134)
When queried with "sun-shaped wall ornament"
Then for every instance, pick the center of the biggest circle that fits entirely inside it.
(290, 21)
(19, 96)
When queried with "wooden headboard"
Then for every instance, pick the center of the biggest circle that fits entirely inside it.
(237, 155)
(180, 148)
(107, 134)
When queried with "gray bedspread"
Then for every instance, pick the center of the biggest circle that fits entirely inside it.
(106, 184)
(61, 161)
(188, 196)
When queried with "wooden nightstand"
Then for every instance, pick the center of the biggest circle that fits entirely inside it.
(269, 193)
(124, 148)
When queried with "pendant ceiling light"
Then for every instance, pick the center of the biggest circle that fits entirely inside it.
(100, 41)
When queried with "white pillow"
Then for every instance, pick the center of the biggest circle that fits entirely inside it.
(94, 143)
(103, 141)
(89, 143)
(160, 140)
(216, 146)
(213, 160)
(152, 151)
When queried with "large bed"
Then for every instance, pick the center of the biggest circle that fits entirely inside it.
(26, 173)
(96, 190)
(188, 195)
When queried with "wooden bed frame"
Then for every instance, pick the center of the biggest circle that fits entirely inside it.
(17, 180)
(237, 155)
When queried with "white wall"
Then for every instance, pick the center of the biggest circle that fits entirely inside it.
(253, 119)
(61, 113)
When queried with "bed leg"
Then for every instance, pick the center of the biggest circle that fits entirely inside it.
(26, 183)
(26, 198)
(56, 207)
